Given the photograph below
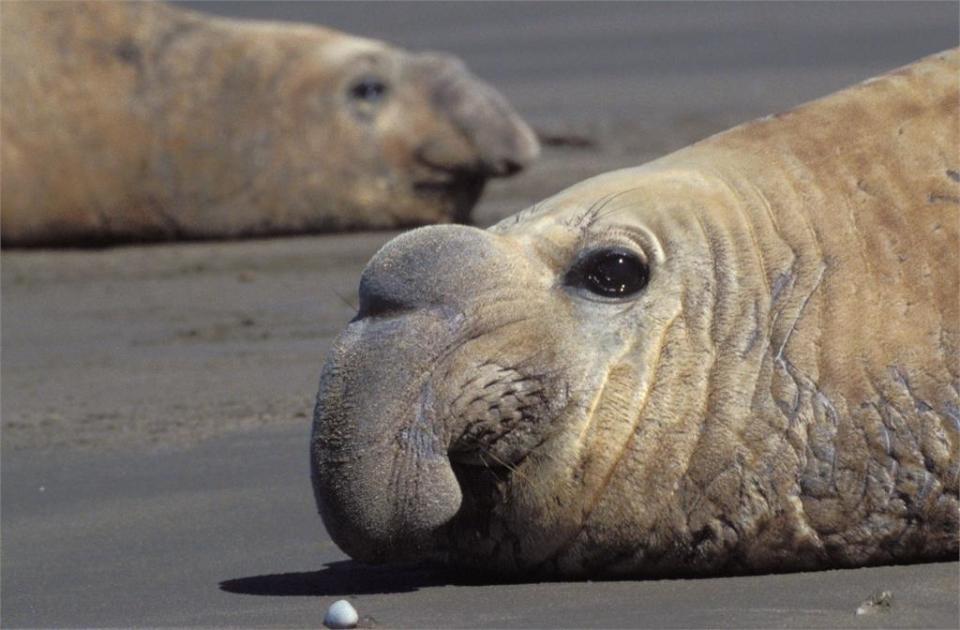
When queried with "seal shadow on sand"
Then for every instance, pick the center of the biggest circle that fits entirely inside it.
(349, 577)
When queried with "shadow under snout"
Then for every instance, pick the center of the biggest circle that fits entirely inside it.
(349, 577)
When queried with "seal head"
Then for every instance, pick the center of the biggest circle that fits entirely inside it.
(141, 121)
(498, 356)
(740, 357)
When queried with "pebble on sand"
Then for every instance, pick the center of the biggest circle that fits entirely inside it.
(879, 602)
(341, 615)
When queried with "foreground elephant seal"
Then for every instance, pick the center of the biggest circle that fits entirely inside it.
(740, 357)
(139, 121)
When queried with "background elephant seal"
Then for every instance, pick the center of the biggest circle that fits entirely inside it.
(139, 121)
(740, 357)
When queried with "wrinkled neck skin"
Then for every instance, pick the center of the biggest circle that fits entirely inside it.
(676, 460)
(782, 394)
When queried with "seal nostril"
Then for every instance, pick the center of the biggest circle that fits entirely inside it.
(375, 305)
(509, 167)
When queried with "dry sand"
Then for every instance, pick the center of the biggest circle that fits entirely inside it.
(156, 400)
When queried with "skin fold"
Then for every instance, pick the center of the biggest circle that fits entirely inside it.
(783, 394)
(140, 121)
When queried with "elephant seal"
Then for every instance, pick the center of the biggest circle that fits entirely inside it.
(741, 357)
(141, 121)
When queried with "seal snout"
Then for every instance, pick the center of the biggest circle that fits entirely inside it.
(381, 475)
(432, 267)
(504, 143)
(382, 471)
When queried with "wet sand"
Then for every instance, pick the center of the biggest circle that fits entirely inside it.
(156, 400)
(225, 534)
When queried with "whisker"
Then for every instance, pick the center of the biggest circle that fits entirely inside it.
(594, 213)
(513, 469)
(346, 301)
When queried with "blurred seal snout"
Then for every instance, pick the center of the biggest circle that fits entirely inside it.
(504, 143)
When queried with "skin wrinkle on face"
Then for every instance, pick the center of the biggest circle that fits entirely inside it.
(594, 414)
(636, 414)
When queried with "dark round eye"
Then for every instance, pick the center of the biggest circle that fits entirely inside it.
(610, 273)
(368, 89)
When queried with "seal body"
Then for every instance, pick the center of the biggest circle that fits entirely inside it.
(740, 357)
(141, 121)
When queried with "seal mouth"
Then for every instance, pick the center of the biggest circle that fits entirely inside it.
(441, 179)
(473, 458)
(459, 189)
(478, 534)
(437, 185)
(482, 484)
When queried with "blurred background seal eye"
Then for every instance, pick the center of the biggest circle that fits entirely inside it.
(609, 273)
(369, 89)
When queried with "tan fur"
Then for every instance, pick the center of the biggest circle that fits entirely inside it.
(784, 394)
(138, 121)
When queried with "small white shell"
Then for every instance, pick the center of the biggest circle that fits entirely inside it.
(341, 615)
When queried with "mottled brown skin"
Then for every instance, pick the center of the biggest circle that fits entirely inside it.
(783, 394)
(139, 121)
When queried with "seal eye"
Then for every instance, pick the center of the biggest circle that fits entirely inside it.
(369, 90)
(610, 273)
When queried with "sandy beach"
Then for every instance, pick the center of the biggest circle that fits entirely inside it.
(156, 400)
